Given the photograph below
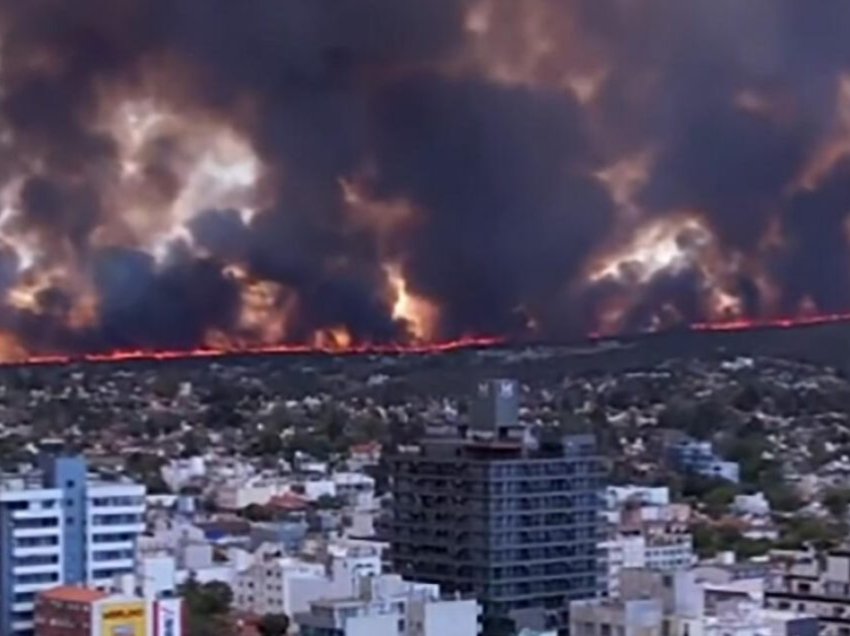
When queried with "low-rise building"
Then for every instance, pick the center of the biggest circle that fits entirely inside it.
(655, 604)
(81, 611)
(240, 493)
(645, 531)
(819, 587)
(698, 457)
(389, 606)
(274, 583)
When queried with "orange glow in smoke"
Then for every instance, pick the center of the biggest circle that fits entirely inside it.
(420, 315)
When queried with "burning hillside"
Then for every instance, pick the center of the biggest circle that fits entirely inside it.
(272, 175)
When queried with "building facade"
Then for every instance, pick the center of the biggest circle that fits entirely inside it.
(82, 611)
(57, 527)
(819, 588)
(680, 604)
(698, 457)
(386, 605)
(274, 584)
(31, 549)
(489, 510)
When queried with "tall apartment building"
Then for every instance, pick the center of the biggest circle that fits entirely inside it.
(58, 526)
(489, 509)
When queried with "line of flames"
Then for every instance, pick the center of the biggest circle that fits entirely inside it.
(141, 355)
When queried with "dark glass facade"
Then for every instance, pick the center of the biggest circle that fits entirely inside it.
(513, 524)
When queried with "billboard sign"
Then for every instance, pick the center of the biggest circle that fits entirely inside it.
(124, 619)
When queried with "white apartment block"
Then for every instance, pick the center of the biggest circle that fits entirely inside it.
(241, 493)
(387, 605)
(662, 552)
(274, 584)
(58, 526)
(31, 543)
(815, 587)
(656, 604)
(114, 521)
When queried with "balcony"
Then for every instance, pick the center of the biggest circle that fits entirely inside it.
(34, 533)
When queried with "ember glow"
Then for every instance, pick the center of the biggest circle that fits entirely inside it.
(273, 176)
(16, 357)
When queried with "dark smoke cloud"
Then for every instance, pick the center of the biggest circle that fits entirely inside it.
(817, 263)
(480, 135)
(499, 170)
(173, 306)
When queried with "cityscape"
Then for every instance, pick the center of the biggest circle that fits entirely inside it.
(424, 318)
(482, 491)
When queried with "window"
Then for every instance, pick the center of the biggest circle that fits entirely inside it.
(36, 560)
(70, 483)
(25, 579)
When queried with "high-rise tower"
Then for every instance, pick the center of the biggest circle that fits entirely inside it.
(487, 509)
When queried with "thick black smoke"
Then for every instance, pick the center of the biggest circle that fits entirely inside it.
(491, 120)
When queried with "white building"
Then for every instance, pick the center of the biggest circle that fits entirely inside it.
(180, 472)
(273, 583)
(663, 553)
(191, 552)
(755, 505)
(357, 489)
(618, 496)
(237, 494)
(315, 489)
(60, 526)
(389, 606)
(276, 584)
(31, 530)
(821, 588)
(115, 517)
(655, 604)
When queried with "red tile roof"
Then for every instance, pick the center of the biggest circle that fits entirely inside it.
(73, 594)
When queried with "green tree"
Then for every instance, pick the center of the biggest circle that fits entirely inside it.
(798, 532)
(783, 497)
(208, 608)
(268, 442)
(273, 625)
(717, 499)
(837, 500)
(330, 502)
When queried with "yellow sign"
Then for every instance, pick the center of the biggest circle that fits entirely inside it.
(124, 619)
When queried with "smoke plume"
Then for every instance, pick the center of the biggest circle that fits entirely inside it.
(209, 173)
